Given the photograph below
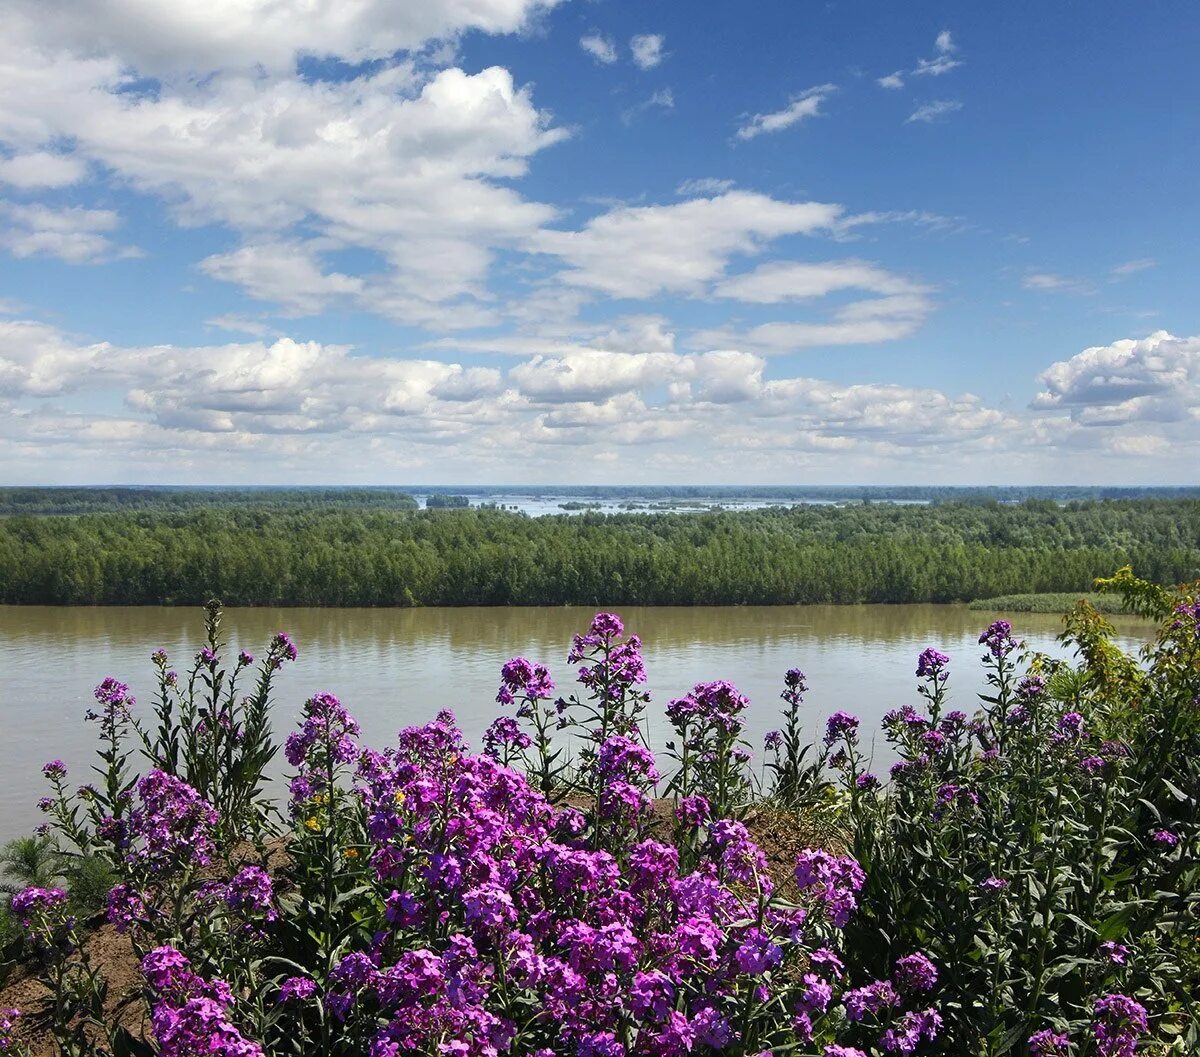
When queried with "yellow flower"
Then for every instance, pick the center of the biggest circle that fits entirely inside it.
(312, 823)
(351, 853)
(399, 797)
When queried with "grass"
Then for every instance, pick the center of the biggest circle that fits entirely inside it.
(1053, 602)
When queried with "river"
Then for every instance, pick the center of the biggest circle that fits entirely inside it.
(393, 668)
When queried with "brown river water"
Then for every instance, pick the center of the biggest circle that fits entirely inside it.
(394, 668)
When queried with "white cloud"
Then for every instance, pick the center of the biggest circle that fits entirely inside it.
(703, 185)
(602, 49)
(41, 169)
(1121, 271)
(663, 99)
(867, 322)
(779, 281)
(805, 105)
(300, 410)
(396, 162)
(286, 273)
(891, 80)
(647, 50)
(942, 61)
(72, 234)
(643, 251)
(162, 37)
(1154, 379)
(930, 112)
(1049, 282)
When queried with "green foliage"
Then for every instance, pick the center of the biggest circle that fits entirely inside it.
(1049, 602)
(1016, 850)
(807, 554)
(29, 861)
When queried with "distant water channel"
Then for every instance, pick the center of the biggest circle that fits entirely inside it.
(394, 668)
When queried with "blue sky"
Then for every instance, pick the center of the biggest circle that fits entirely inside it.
(590, 241)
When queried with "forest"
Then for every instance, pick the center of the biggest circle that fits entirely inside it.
(858, 553)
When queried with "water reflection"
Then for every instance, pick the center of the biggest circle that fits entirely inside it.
(397, 667)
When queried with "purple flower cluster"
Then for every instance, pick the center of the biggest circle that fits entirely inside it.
(1048, 1043)
(716, 705)
(282, 649)
(998, 639)
(326, 739)
(524, 679)
(841, 725)
(616, 666)
(175, 824)
(115, 701)
(835, 880)
(42, 913)
(8, 1029)
(605, 948)
(250, 892)
(190, 1015)
(504, 736)
(931, 664)
(1119, 1024)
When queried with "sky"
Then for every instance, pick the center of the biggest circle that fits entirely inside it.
(599, 241)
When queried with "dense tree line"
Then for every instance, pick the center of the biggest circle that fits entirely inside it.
(108, 499)
(111, 498)
(862, 553)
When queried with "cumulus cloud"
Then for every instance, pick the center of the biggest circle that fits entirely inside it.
(401, 162)
(642, 251)
(301, 409)
(41, 169)
(891, 80)
(602, 49)
(805, 105)
(72, 234)
(159, 37)
(1154, 379)
(647, 49)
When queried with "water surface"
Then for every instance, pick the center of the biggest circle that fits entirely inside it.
(394, 668)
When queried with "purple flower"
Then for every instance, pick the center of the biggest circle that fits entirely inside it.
(522, 678)
(296, 989)
(282, 648)
(915, 973)
(125, 907)
(208, 656)
(55, 770)
(993, 885)
(772, 740)
(930, 664)
(1047, 1043)
(1119, 1025)
(914, 1026)
(1164, 838)
(998, 639)
(869, 999)
(1117, 953)
(866, 782)
(1070, 725)
(251, 892)
(245, 659)
(841, 725)
(834, 880)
